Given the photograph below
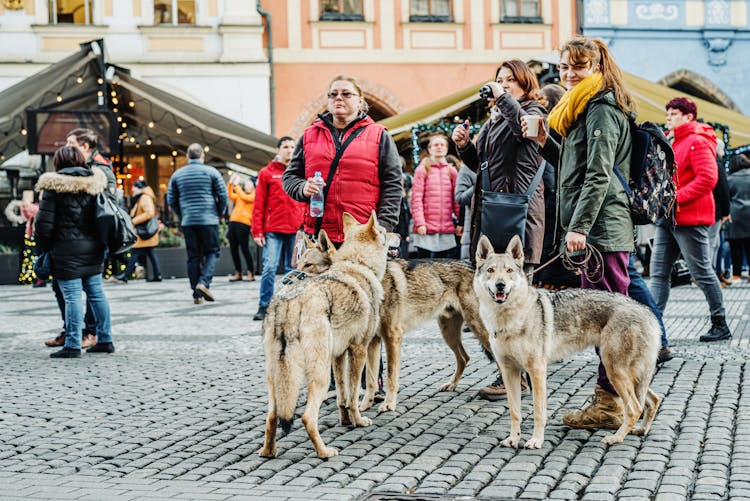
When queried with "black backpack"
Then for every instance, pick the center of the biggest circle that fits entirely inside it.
(650, 189)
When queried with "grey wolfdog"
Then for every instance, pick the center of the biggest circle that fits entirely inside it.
(326, 320)
(532, 327)
(414, 291)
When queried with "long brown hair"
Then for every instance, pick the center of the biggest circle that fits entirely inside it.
(525, 77)
(427, 160)
(582, 50)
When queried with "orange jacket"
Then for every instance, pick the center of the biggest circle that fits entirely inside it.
(243, 204)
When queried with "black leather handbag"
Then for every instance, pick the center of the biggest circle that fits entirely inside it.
(148, 229)
(114, 226)
(504, 214)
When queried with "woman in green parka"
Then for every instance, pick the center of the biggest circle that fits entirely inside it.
(592, 206)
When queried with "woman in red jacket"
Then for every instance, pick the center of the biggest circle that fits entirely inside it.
(368, 174)
(433, 207)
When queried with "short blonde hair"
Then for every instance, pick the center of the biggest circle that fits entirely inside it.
(348, 78)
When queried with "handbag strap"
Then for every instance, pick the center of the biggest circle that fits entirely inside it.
(332, 171)
(532, 187)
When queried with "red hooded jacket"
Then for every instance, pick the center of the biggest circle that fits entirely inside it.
(695, 154)
(274, 210)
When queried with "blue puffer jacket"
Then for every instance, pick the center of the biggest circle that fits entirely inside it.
(197, 194)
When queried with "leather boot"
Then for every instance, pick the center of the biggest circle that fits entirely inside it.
(58, 340)
(719, 330)
(605, 411)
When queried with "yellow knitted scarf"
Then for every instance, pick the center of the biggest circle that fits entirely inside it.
(574, 102)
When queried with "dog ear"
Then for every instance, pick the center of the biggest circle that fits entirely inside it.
(372, 222)
(309, 244)
(515, 249)
(484, 249)
(325, 244)
(349, 221)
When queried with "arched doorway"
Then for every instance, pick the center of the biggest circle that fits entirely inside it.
(691, 83)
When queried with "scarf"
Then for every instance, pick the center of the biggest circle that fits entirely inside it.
(574, 102)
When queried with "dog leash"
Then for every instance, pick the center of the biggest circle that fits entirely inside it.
(590, 255)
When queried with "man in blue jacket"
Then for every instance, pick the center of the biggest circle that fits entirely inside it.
(198, 195)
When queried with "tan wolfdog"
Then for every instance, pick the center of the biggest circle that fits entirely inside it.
(323, 321)
(415, 291)
(532, 327)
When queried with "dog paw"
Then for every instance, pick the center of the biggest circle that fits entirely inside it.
(510, 442)
(328, 452)
(387, 406)
(364, 422)
(448, 387)
(268, 452)
(534, 443)
(366, 404)
(611, 440)
(638, 432)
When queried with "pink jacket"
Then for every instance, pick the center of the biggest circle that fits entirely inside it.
(432, 202)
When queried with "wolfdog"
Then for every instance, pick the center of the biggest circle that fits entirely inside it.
(532, 327)
(328, 319)
(415, 291)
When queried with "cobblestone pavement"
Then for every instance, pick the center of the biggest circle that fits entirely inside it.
(178, 412)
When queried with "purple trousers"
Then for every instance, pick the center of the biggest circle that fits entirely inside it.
(613, 277)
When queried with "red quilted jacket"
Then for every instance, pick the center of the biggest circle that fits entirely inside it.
(695, 154)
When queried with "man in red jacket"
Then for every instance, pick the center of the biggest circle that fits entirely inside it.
(276, 219)
(695, 153)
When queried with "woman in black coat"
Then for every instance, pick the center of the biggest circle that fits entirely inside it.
(66, 229)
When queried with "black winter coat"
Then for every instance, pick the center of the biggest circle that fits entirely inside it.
(66, 222)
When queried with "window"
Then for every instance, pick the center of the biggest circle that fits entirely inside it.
(341, 10)
(430, 11)
(521, 11)
(71, 12)
(164, 12)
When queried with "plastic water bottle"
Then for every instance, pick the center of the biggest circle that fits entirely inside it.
(317, 201)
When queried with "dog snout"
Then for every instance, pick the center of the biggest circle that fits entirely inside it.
(500, 286)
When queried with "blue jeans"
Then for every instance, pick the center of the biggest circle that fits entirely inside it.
(140, 255)
(71, 290)
(278, 246)
(203, 251)
(693, 242)
(639, 291)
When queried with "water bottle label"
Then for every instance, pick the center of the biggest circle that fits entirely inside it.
(316, 208)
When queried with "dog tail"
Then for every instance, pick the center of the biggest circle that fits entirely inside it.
(285, 369)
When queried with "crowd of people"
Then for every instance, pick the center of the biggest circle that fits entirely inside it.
(584, 131)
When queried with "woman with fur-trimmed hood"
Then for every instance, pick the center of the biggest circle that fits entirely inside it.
(66, 228)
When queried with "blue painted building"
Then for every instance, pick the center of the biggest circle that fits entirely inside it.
(699, 47)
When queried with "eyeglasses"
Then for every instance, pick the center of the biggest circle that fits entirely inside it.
(345, 95)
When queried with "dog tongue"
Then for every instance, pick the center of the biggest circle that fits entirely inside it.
(500, 296)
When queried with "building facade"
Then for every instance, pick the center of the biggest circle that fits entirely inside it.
(699, 47)
(207, 51)
(405, 52)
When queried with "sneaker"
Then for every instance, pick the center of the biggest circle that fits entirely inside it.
(379, 395)
(497, 391)
(203, 291)
(665, 355)
(88, 340)
(604, 411)
(155, 279)
(66, 353)
(102, 348)
(56, 341)
(261, 313)
(236, 277)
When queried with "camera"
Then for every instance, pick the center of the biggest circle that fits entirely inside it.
(486, 93)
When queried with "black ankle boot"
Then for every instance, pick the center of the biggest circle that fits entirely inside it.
(102, 348)
(66, 353)
(719, 330)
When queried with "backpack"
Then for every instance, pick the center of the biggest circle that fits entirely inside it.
(651, 190)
